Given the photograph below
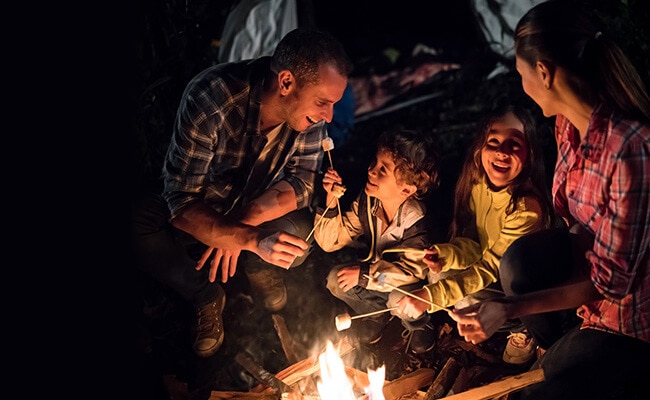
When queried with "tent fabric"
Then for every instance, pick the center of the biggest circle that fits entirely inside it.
(498, 19)
(254, 27)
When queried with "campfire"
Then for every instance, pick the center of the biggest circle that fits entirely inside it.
(335, 384)
(328, 375)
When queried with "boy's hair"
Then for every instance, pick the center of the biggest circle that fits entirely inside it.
(416, 159)
(303, 50)
(531, 181)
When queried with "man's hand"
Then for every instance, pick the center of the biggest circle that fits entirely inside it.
(226, 258)
(281, 249)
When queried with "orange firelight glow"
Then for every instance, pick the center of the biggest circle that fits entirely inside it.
(335, 385)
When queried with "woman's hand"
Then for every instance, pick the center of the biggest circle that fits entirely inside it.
(478, 322)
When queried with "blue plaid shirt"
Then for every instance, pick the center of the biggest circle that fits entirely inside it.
(217, 140)
(603, 183)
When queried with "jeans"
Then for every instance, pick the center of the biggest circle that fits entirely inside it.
(578, 363)
(360, 299)
(170, 255)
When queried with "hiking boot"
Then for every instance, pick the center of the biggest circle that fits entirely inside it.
(520, 348)
(209, 326)
(370, 330)
(268, 286)
(421, 339)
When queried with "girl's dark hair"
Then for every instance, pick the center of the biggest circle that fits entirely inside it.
(303, 50)
(416, 158)
(567, 33)
(531, 181)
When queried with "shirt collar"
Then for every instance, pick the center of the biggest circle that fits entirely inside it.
(592, 147)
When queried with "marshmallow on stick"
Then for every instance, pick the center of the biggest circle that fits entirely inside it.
(344, 321)
(328, 144)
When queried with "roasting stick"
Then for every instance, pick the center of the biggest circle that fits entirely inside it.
(377, 279)
(406, 250)
(337, 191)
(328, 145)
(344, 321)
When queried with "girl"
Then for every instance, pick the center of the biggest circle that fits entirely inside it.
(499, 197)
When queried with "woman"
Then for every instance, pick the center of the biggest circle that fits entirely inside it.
(599, 268)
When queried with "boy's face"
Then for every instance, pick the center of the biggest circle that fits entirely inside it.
(505, 151)
(382, 182)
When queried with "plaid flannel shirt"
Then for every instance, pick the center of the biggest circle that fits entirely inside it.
(603, 183)
(217, 140)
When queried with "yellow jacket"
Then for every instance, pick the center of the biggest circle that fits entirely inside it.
(477, 264)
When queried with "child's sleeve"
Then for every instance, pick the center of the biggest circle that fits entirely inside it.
(333, 233)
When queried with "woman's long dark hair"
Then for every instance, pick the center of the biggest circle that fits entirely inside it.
(566, 33)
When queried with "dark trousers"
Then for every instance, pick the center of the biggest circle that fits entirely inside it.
(578, 364)
(170, 255)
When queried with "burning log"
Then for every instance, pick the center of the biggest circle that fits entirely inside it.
(409, 383)
(309, 366)
(444, 381)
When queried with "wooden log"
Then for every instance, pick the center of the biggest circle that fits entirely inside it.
(409, 383)
(292, 350)
(444, 380)
(310, 365)
(477, 350)
(500, 387)
(217, 395)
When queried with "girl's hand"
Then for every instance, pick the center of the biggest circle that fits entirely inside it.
(433, 262)
(413, 307)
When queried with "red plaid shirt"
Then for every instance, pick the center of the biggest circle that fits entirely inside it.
(603, 183)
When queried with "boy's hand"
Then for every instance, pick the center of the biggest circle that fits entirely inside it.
(330, 180)
(348, 277)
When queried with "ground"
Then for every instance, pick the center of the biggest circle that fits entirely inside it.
(173, 49)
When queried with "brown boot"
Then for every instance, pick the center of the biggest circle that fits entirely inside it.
(268, 285)
(209, 326)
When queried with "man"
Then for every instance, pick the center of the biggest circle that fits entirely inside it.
(239, 175)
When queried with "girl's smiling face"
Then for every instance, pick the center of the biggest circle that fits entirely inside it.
(505, 151)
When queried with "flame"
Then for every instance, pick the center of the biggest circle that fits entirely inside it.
(335, 384)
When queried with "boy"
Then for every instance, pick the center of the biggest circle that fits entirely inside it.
(389, 218)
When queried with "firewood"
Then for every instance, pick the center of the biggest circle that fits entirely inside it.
(408, 383)
(310, 365)
(501, 387)
(290, 347)
(477, 351)
(216, 395)
(444, 380)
